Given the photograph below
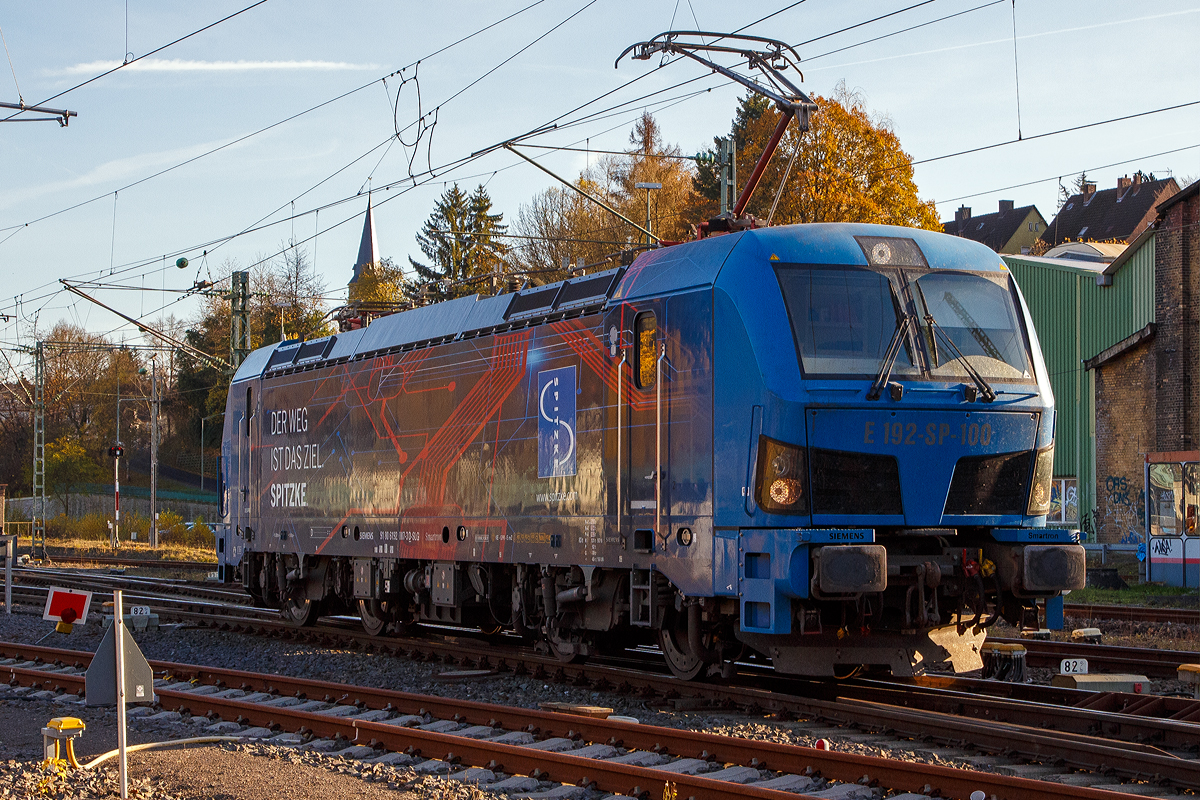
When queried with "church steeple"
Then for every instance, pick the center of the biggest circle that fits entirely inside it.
(368, 248)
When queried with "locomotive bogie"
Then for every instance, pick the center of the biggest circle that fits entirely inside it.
(826, 445)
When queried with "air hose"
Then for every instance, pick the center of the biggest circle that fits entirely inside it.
(169, 743)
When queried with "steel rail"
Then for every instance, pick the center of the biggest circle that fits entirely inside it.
(105, 583)
(190, 566)
(1063, 719)
(563, 767)
(1179, 709)
(1152, 663)
(948, 718)
(1119, 613)
(1082, 750)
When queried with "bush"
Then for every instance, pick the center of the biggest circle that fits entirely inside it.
(173, 530)
(92, 527)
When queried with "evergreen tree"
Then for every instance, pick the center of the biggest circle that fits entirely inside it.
(459, 239)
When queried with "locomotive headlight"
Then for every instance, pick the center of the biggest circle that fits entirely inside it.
(781, 480)
(1039, 492)
(782, 466)
(785, 492)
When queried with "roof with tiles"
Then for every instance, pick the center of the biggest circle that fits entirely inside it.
(1117, 214)
(993, 230)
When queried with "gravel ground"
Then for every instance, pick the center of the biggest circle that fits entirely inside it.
(239, 772)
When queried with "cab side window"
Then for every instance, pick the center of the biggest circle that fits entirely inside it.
(645, 329)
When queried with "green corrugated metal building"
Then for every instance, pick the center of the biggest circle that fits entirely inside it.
(1079, 310)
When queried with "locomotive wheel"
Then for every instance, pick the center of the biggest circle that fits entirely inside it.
(375, 615)
(300, 611)
(673, 641)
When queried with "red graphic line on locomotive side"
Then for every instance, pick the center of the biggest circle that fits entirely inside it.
(503, 375)
(373, 384)
(593, 353)
(484, 400)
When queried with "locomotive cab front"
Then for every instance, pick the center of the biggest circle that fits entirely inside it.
(895, 477)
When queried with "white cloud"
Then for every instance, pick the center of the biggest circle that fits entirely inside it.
(185, 65)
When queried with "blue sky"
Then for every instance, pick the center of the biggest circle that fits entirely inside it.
(947, 87)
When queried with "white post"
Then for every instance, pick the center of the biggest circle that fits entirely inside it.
(116, 537)
(119, 641)
(10, 552)
(154, 400)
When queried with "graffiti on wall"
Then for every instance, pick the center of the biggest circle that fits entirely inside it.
(1122, 518)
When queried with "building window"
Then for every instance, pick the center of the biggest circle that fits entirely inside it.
(1064, 501)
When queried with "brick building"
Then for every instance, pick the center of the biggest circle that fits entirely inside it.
(1177, 297)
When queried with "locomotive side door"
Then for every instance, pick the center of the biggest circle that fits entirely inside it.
(646, 450)
(245, 487)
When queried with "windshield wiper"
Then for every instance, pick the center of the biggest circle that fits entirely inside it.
(985, 388)
(903, 323)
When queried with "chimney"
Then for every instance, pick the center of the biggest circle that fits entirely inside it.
(1137, 178)
(1123, 183)
(1089, 189)
(963, 214)
(1006, 205)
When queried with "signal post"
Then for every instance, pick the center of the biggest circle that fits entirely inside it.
(115, 452)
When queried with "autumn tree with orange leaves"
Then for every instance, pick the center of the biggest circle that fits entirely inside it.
(848, 167)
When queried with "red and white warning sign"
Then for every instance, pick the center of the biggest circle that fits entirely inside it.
(67, 605)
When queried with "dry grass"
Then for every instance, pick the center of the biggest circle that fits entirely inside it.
(176, 543)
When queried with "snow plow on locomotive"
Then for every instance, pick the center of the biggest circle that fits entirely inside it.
(829, 445)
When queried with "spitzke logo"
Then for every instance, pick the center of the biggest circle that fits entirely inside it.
(556, 422)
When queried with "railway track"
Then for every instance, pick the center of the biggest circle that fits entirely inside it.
(1151, 662)
(1132, 735)
(137, 563)
(1118, 613)
(484, 743)
(146, 587)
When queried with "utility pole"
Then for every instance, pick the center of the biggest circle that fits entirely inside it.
(649, 229)
(154, 401)
(239, 318)
(728, 162)
(38, 543)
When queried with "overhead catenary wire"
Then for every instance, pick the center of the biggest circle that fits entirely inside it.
(1072, 172)
(147, 55)
(20, 97)
(1016, 69)
(266, 128)
(793, 5)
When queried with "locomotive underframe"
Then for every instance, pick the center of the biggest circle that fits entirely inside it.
(933, 603)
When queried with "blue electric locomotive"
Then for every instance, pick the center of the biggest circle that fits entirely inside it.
(830, 445)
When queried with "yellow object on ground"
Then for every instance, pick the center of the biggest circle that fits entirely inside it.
(58, 739)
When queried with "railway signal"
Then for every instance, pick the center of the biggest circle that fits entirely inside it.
(115, 452)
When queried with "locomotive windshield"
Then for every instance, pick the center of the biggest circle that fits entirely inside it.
(843, 319)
